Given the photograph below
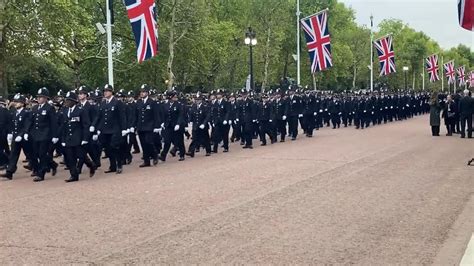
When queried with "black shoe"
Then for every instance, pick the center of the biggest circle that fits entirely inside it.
(247, 147)
(282, 140)
(162, 158)
(225, 150)
(70, 180)
(181, 159)
(110, 171)
(173, 153)
(38, 179)
(293, 138)
(92, 171)
(190, 154)
(135, 152)
(34, 174)
(119, 171)
(263, 144)
(27, 167)
(54, 171)
(208, 154)
(3, 167)
(144, 165)
(7, 176)
(155, 161)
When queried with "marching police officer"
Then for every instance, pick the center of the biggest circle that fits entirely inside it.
(173, 126)
(112, 127)
(148, 123)
(200, 116)
(4, 123)
(220, 122)
(74, 135)
(43, 132)
(17, 132)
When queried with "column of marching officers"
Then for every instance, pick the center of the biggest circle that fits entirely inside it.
(81, 125)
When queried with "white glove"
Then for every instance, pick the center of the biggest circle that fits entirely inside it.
(156, 130)
(320, 110)
(315, 113)
(270, 121)
(186, 129)
(54, 140)
(230, 122)
(340, 113)
(132, 129)
(162, 125)
(18, 139)
(176, 128)
(300, 115)
(254, 120)
(372, 112)
(237, 120)
(124, 133)
(91, 129)
(365, 111)
(98, 132)
(224, 123)
(283, 117)
(202, 126)
(63, 144)
(95, 137)
(9, 138)
(25, 137)
(84, 142)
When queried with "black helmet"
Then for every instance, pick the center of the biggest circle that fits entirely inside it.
(108, 87)
(145, 88)
(43, 92)
(71, 96)
(60, 93)
(83, 90)
(19, 98)
(130, 94)
(2, 100)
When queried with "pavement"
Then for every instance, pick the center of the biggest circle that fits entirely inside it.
(390, 194)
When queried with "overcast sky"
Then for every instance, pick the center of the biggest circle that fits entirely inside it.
(437, 18)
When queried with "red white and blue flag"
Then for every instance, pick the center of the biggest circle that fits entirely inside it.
(318, 40)
(471, 79)
(461, 75)
(466, 14)
(432, 67)
(449, 72)
(142, 15)
(386, 55)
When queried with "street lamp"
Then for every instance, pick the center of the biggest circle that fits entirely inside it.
(405, 70)
(251, 41)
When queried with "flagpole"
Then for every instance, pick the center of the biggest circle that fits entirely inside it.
(442, 73)
(371, 54)
(108, 27)
(298, 48)
(423, 72)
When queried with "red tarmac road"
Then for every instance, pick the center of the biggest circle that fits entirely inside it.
(387, 194)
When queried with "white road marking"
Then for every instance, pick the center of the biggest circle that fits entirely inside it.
(468, 258)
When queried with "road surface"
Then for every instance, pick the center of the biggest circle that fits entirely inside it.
(387, 194)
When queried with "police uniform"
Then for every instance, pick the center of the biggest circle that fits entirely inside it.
(200, 117)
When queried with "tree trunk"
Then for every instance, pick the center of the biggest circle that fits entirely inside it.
(267, 59)
(171, 45)
(285, 67)
(3, 75)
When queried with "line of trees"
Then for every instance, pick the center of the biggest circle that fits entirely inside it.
(56, 44)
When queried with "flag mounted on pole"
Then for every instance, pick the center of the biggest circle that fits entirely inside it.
(461, 75)
(432, 67)
(449, 72)
(466, 14)
(318, 40)
(142, 15)
(386, 55)
(471, 79)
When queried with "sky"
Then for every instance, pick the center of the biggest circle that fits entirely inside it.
(437, 18)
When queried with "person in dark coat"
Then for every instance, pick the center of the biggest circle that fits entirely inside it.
(465, 113)
(449, 114)
(200, 117)
(4, 124)
(435, 109)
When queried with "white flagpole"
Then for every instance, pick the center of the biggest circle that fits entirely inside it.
(442, 73)
(371, 54)
(298, 48)
(423, 72)
(108, 27)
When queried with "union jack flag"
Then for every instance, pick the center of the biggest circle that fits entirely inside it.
(466, 14)
(461, 75)
(471, 79)
(386, 55)
(432, 67)
(449, 71)
(142, 15)
(318, 40)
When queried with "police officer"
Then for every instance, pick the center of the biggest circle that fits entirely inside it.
(247, 117)
(281, 110)
(112, 128)
(74, 135)
(17, 134)
(148, 123)
(173, 126)
(91, 149)
(220, 122)
(43, 132)
(265, 117)
(294, 113)
(4, 124)
(200, 117)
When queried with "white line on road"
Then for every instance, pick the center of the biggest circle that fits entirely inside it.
(468, 258)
